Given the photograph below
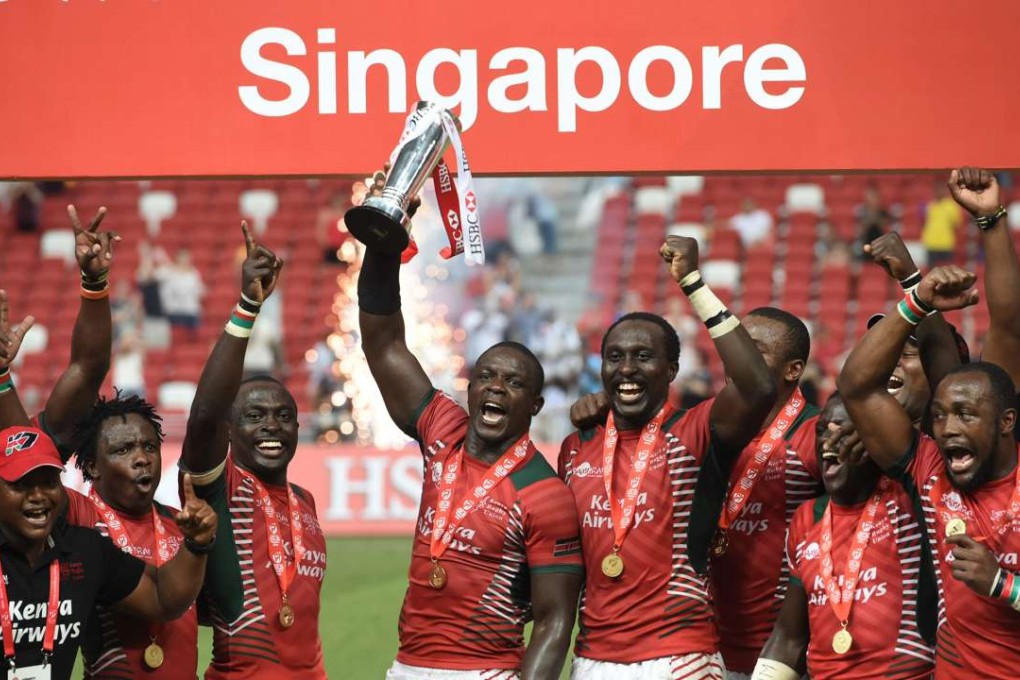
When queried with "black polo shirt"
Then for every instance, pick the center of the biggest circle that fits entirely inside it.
(92, 571)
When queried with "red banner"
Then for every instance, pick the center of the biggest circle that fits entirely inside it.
(97, 88)
(357, 490)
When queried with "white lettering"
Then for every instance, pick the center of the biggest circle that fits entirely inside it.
(756, 75)
(569, 100)
(343, 486)
(466, 95)
(533, 78)
(712, 63)
(683, 78)
(358, 64)
(327, 72)
(291, 76)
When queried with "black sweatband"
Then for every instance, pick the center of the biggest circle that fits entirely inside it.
(690, 288)
(379, 283)
(197, 548)
(717, 319)
(248, 307)
(911, 281)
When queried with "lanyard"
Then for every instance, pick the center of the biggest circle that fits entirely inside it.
(52, 610)
(842, 601)
(285, 571)
(740, 493)
(119, 535)
(941, 488)
(623, 512)
(444, 526)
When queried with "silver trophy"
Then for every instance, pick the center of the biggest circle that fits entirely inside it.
(382, 222)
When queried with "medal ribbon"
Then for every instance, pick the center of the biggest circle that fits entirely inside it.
(444, 526)
(942, 486)
(740, 492)
(285, 571)
(119, 535)
(52, 610)
(842, 601)
(623, 511)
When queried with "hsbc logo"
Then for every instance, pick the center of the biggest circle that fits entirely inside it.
(470, 202)
(19, 442)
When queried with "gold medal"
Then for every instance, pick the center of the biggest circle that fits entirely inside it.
(842, 641)
(437, 576)
(612, 565)
(720, 544)
(286, 615)
(955, 526)
(153, 656)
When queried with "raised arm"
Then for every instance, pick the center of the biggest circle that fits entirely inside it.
(400, 377)
(742, 405)
(205, 440)
(785, 650)
(935, 341)
(978, 193)
(11, 410)
(78, 387)
(883, 425)
(165, 593)
(554, 605)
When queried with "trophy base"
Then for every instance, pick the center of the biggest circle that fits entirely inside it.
(379, 224)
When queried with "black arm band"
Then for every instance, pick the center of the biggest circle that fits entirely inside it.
(379, 283)
(197, 548)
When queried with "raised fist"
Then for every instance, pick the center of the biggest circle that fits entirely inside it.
(590, 410)
(680, 253)
(975, 190)
(948, 288)
(889, 252)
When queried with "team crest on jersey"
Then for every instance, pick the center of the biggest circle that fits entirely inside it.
(952, 501)
(19, 441)
(437, 472)
(812, 551)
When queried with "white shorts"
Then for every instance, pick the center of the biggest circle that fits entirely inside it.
(401, 671)
(686, 667)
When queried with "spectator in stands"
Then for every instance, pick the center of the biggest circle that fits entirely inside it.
(126, 310)
(330, 231)
(633, 301)
(687, 327)
(129, 364)
(181, 290)
(541, 209)
(150, 259)
(754, 224)
(873, 220)
(558, 347)
(942, 220)
(526, 319)
(487, 327)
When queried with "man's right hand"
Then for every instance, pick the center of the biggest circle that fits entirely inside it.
(976, 191)
(11, 337)
(889, 252)
(379, 183)
(948, 288)
(260, 271)
(92, 248)
(590, 411)
(680, 253)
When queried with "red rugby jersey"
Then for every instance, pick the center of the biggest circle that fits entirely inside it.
(253, 644)
(114, 643)
(887, 644)
(526, 524)
(659, 600)
(749, 580)
(978, 637)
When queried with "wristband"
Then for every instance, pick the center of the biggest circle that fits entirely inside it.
(197, 548)
(713, 313)
(95, 287)
(913, 309)
(1006, 586)
(379, 283)
(911, 282)
(768, 669)
(242, 319)
(101, 277)
(253, 303)
(988, 221)
(6, 383)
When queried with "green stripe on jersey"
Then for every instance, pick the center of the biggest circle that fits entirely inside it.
(535, 470)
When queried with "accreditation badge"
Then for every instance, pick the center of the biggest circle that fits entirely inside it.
(41, 672)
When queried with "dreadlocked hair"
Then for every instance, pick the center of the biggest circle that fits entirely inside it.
(86, 432)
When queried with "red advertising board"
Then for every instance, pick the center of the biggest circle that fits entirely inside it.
(358, 490)
(129, 88)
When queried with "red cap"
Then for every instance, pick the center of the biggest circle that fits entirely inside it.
(25, 449)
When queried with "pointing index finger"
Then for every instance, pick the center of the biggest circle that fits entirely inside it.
(249, 240)
(189, 489)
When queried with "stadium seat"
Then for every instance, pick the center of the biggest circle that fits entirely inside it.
(259, 205)
(652, 200)
(35, 341)
(918, 252)
(59, 244)
(1014, 215)
(683, 185)
(154, 207)
(724, 274)
(805, 198)
(177, 395)
(690, 230)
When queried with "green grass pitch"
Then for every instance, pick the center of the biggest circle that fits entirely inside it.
(361, 598)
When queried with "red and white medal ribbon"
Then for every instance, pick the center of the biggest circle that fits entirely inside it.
(285, 570)
(842, 601)
(740, 492)
(941, 488)
(622, 510)
(447, 520)
(119, 535)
